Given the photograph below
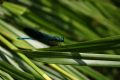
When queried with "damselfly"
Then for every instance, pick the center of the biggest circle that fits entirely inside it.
(43, 37)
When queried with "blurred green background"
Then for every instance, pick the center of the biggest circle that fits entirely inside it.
(90, 26)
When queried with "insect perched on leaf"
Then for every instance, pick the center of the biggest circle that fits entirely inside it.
(42, 37)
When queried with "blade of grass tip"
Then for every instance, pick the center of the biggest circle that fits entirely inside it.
(12, 47)
(5, 75)
(15, 8)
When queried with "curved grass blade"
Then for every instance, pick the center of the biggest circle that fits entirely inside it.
(80, 62)
(70, 55)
